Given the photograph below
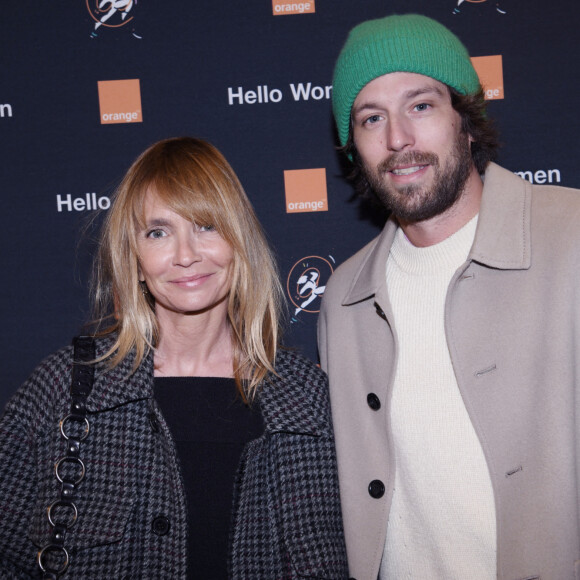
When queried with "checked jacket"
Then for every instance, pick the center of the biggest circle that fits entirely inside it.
(132, 513)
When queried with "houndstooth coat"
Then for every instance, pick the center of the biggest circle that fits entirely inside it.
(287, 521)
(132, 516)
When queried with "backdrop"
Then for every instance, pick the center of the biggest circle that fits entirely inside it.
(86, 85)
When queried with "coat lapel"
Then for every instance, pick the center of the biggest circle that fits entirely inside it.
(120, 385)
(503, 238)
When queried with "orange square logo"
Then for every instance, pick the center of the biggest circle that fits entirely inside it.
(305, 190)
(120, 101)
(284, 7)
(489, 69)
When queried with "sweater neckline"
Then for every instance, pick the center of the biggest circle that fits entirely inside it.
(437, 259)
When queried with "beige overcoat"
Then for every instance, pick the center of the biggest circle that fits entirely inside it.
(512, 321)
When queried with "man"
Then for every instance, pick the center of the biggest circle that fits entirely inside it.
(450, 340)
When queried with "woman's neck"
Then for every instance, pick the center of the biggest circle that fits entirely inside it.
(194, 346)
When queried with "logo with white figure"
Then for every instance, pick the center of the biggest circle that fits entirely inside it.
(111, 14)
(307, 282)
(460, 5)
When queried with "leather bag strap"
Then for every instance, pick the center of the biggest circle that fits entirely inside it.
(54, 558)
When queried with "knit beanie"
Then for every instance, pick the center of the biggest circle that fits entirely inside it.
(398, 43)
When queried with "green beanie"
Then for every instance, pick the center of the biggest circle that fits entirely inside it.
(398, 43)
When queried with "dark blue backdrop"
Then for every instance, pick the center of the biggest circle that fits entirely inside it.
(190, 58)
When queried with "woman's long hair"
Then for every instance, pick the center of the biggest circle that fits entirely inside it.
(194, 180)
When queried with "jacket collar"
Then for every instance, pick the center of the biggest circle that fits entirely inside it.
(293, 401)
(120, 385)
(288, 402)
(502, 239)
(503, 236)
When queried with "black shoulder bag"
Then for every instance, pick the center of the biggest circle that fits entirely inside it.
(62, 514)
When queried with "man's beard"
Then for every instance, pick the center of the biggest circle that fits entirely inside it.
(415, 203)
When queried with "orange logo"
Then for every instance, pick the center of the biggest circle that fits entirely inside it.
(305, 190)
(490, 72)
(283, 7)
(120, 101)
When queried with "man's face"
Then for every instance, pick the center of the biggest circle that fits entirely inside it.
(409, 139)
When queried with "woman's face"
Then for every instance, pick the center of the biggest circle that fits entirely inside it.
(187, 266)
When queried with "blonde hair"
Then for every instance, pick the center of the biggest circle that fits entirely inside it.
(194, 180)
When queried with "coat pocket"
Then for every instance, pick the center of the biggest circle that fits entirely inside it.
(104, 498)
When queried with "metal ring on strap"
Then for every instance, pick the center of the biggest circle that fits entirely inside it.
(53, 548)
(71, 417)
(76, 460)
(63, 503)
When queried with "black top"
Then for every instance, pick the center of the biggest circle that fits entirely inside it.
(210, 425)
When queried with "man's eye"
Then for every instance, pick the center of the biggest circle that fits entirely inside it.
(372, 119)
(421, 107)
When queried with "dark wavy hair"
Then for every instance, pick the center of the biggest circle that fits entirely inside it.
(474, 121)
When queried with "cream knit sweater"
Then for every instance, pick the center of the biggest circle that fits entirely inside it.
(442, 520)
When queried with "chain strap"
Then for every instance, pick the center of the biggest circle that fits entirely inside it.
(54, 559)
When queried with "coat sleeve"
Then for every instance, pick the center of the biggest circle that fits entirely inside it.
(254, 551)
(287, 518)
(31, 414)
(18, 482)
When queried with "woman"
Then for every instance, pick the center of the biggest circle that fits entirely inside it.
(133, 477)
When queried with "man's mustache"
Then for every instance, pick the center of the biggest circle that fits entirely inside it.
(408, 158)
